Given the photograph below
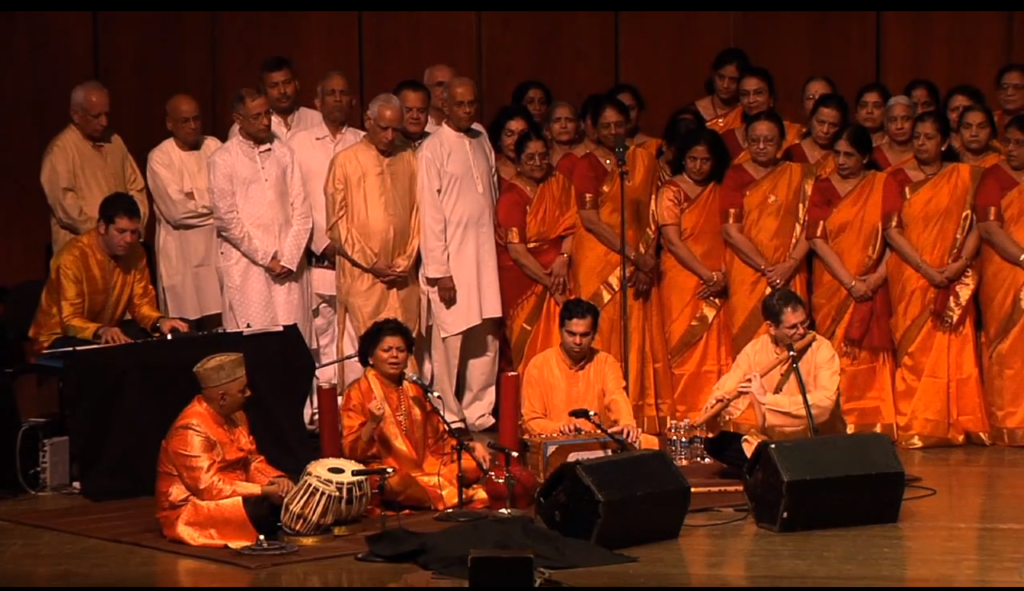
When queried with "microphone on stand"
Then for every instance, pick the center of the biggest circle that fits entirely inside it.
(339, 360)
(588, 415)
(502, 449)
(423, 385)
(803, 390)
(620, 151)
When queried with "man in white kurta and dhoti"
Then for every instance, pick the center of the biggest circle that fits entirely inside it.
(263, 224)
(186, 239)
(456, 191)
(371, 202)
(314, 148)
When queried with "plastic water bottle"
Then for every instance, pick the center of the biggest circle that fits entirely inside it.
(685, 432)
(672, 441)
(698, 454)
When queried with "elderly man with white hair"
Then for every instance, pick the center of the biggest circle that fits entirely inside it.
(373, 223)
(86, 162)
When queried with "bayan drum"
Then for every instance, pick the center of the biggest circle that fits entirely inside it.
(327, 494)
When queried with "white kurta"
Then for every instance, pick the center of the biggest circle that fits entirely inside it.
(261, 212)
(301, 118)
(186, 239)
(456, 187)
(314, 148)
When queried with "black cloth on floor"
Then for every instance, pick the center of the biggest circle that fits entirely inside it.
(727, 448)
(447, 552)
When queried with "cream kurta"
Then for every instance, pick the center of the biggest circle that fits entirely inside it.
(301, 118)
(456, 191)
(186, 239)
(261, 212)
(314, 148)
(371, 201)
(78, 174)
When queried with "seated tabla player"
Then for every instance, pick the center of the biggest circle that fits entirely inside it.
(778, 404)
(386, 421)
(213, 488)
(575, 375)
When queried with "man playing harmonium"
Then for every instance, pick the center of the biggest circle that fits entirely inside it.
(386, 420)
(213, 488)
(95, 278)
(762, 375)
(576, 375)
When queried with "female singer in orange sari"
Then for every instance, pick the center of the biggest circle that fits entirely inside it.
(898, 149)
(511, 122)
(850, 298)
(693, 271)
(999, 208)
(387, 420)
(536, 221)
(927, 212)
(595, 268)
(563, 133)
(828, 117)
(870, 105)
(757, 95)
(721, 108)
(977, 143)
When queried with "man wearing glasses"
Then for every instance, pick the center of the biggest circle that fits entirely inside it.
(777, 402)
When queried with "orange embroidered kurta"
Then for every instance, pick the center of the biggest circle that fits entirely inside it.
(823, 166)
(937, 394)
(88, 290)
(411, 439)
(697, 338)
(553, 385)
(1000, 198)
(207, 465)
(540, 221)
(851, 224)
(781, 414)
(595, 272)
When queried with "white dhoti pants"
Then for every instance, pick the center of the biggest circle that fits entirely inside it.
(326, 323)
(471, 355)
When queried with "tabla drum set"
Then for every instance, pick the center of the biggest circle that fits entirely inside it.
(328, 501)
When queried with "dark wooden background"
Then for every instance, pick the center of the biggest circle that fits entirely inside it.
(144, 57)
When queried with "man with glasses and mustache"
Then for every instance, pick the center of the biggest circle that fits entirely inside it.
(278, 81)
(778, 404)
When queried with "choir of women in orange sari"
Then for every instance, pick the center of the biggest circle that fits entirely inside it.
(827, 118)
(387, 420)
(977, 143)
(870, 110)
(721, 107)
(850, 297)
(536, 215)
(693, 271)
(927, 213)
(595, 269)
(898, 148)
(511, 122)
(999, 207)
(757, 95)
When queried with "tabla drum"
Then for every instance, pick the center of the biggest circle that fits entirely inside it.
(326, 494)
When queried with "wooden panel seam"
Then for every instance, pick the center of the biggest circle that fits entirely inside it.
(363, 105)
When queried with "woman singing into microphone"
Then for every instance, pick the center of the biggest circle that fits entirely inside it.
(386, 420)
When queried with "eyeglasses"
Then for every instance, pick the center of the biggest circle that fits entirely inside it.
(537, 158)
(259, 117)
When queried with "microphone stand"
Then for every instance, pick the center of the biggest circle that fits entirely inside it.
(382, 485)
(623, 446)
(803, 391)
(620, 157)
(510, 485)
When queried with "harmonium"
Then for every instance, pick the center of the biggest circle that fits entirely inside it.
(545, 453)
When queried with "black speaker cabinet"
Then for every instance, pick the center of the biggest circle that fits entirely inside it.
(825, 482)
(616, 501)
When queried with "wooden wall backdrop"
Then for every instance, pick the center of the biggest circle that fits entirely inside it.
(144, 57)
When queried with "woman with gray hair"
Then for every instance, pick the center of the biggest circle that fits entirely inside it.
(898, 148)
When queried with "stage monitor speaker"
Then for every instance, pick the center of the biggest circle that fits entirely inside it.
(616, 501)
(825, 482)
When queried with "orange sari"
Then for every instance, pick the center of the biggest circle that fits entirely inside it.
(824, 166)
(938, 395)
(596, 272)
(720, 122)
(882, 159)
(738, 148)
(540, 221)
(1000, 198)
(859, 331)
(412, 439)
(699, 349)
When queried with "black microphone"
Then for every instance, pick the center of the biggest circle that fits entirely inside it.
(620, 150)
(581, 413)
(423, 385)
(502, 449)
(372, 471)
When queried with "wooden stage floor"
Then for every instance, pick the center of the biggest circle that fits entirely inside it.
(970, 534)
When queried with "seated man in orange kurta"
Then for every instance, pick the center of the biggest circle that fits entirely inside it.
(775, 395)
(576, 375)
(213, 488)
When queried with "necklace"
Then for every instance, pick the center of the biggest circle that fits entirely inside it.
(402, 416)
(926, 174)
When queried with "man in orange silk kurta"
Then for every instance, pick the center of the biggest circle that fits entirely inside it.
(95, 279)
(213, 488)
(777, 401)
(575, 375)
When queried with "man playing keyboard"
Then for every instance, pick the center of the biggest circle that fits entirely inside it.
(95, 279)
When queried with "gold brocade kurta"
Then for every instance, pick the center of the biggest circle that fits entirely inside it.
(88, 290)
(372, 215)
(207, 465)
(411, 439)
(78, 174)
